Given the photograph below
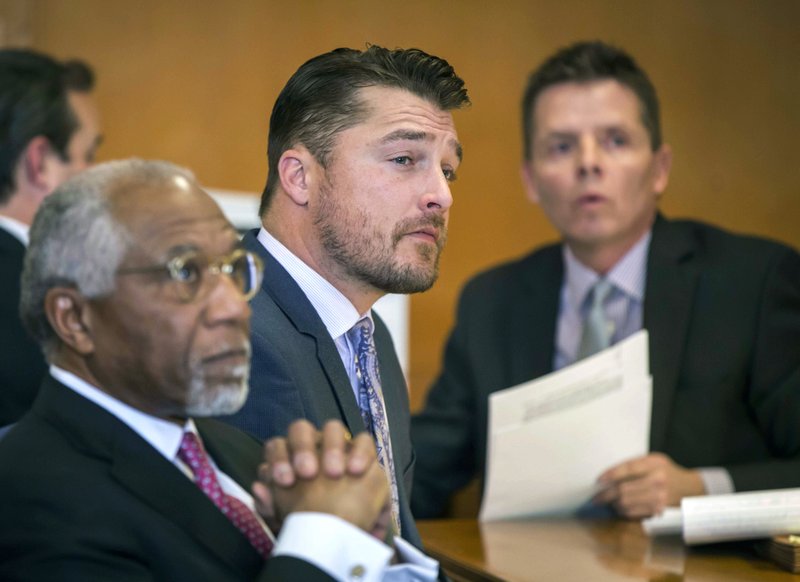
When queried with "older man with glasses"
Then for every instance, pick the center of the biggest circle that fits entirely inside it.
(136, 287)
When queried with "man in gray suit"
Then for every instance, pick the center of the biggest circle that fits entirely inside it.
(362, 150)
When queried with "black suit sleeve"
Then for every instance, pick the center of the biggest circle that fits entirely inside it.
(283, 568)
(444, 432)
(774, 389)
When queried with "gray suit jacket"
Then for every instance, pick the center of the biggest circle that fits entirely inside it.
(723, 314)
(297, 373)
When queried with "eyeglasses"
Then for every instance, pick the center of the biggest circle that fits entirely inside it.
(192, 274)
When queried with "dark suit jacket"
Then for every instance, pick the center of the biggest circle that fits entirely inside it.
(297, 373)
(723, 314)
(22, 364)
(83, 497)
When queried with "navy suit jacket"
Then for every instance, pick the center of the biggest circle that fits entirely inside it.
(297, 373)
(84, 497)
(723, 315)
(22, 365)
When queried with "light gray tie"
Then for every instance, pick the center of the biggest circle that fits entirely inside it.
(597, 328)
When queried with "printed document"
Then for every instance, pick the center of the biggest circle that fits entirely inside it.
(737, 516)
(549, 439)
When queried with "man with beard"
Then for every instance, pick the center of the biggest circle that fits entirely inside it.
(362, 150)
(136, 286)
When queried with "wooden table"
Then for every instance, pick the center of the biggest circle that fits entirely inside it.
(585, 550)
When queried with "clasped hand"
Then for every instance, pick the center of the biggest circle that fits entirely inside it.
(326, 472)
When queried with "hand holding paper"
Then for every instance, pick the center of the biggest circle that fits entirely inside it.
(644, 486)
(550, 439)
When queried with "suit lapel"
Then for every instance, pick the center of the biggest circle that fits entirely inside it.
(669, 294)
(533, 327)
(146, 474)
(288, 296)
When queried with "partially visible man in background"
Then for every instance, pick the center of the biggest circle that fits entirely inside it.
(722, 310)
(49, 130)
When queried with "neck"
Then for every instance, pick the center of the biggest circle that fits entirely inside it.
(19, 208)
(360, 294)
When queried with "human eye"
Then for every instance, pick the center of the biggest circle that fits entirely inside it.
(185, 269)
(402, 160)
(616, 139)
(449, 174)
(559, 147)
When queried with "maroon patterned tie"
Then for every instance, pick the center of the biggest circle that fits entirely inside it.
(193, 454)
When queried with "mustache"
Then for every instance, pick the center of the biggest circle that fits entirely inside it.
(226, 350)
(436, 221)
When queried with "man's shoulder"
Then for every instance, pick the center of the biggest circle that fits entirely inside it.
(719, 245)
(542, 263)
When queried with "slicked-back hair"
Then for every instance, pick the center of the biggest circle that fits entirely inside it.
(76, 241)
(585, 62)
(34, 101)
(322, 98)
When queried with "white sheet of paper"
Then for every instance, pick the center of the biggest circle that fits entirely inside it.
(740, 516)
(670, 522)
(549, 439)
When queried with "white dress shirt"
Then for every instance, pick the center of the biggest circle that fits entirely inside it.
(15, 228)
(625, 307)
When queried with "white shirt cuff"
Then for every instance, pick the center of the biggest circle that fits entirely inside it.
(716, 480)
(342, 550)
(414, 565)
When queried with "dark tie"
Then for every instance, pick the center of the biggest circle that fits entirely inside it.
(192, 453)
(370, 401)
(597, 327)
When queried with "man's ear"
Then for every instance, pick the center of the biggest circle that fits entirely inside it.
(35, 164)
(662, 168)
(70, 317)
(297, 170)
(528, 181)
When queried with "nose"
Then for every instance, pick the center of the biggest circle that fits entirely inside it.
(226, 303)
(437, 193)
(589, 162)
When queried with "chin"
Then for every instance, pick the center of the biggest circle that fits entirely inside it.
(217, 398)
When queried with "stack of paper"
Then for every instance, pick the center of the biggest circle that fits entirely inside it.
(551, 438)
(784, 551)
(739, 516)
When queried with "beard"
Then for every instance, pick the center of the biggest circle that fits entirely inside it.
(368, 255)
(207, 398)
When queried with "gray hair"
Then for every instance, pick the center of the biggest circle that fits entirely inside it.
(75, 240)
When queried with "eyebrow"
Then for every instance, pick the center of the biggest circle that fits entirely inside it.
(411, 135)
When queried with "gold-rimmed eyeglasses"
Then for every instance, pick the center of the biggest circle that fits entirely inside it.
(192, 274)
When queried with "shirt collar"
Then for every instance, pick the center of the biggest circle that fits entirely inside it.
(15, 228)
(163, 435)
(628, 274)
(334, 309)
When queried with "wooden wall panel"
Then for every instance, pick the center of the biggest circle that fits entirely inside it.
(194, 82)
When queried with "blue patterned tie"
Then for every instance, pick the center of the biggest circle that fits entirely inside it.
(370, 402)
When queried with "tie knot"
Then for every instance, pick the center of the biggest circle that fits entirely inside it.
(361, 333)
(191, 452)
(600, 291)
